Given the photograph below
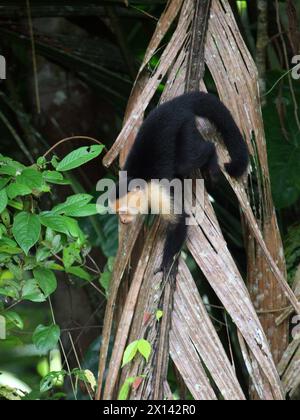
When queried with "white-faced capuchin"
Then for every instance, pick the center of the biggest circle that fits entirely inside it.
(169, 146)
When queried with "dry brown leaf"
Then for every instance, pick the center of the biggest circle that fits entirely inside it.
(193, 327)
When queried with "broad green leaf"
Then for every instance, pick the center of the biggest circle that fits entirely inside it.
(56, 244)
(79, 157)
(52, 380)
(72, 203)
(71, 254)
(55, 222)
(26, 230)
(11, 168)
(3, 200)
(3, 182)
(144, 347)
(54, 266)
(42, 254)
(32, 292)
(9, 292)
(15, 319)
(62, 224)
(16, 189)
(32, 178)
(74, 229)
(10, 250)
(9, 243)
(15, 204)
(125, 389)
(86, 211)
(46, 338)
(79, 272)
(5, 276)
(54, 177)
(46, 280)
(130, 352)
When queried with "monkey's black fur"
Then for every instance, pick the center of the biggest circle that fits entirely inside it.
(169, 146)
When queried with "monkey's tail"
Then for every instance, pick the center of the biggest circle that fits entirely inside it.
(209, 106)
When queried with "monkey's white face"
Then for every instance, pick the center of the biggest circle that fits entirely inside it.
(131, 205)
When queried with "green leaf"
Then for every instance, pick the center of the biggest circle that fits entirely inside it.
(52, 380)
(26, 230)
(46, 280)
(10, 250)
(5, 276)
(32, 178)
(42, 254)
(144, 347)
(79, 272)
(14, 190)
(159, 315)
(54, 222)
(130, 352)
(74, 229)
(53, 266)
(72, 203)
(90, 378)
(111, 263)
(71, 254)
(15, 319)
(11, 168)
(105, 280)
(42, 162)
(125, 389)
(16, 205)
(9, 246)
(54, 177)
(3, 182)
(9, 292)
(3, 200)
(86, 211)
(79, 157)
(46, 338)
(32, 292)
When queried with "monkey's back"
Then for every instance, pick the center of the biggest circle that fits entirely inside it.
(153, 154)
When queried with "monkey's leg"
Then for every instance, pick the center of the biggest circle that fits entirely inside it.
(194, 152)
(212, 166)
(175, 239)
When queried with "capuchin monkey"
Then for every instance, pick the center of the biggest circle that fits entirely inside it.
(169, 146)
